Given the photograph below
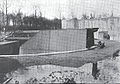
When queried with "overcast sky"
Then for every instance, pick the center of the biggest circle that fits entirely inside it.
(64, 8)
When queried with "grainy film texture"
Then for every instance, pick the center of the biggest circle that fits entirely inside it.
(59, 41)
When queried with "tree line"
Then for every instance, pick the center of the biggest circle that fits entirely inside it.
(19, 21)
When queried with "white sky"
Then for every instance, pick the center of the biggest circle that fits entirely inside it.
(53, 8)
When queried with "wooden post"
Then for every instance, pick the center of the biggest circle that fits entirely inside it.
(95, 70)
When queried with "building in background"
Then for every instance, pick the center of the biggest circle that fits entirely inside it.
(109, 24)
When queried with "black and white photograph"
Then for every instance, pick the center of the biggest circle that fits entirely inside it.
(59, 41)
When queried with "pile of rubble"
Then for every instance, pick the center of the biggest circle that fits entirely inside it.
(56, 77)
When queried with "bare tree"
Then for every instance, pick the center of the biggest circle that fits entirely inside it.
(4, 7)
(3, 14)
(37, 10)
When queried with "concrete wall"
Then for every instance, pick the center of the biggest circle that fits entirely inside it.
(8, 48)
(55, 40)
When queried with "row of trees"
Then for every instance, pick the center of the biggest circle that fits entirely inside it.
(20, 22)
(32, 22)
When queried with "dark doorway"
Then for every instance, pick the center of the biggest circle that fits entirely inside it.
(90, 38)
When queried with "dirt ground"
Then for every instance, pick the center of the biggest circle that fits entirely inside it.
(74, 59)
(108, 73)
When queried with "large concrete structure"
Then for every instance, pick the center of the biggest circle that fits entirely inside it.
(59, 40)
(110, 24)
